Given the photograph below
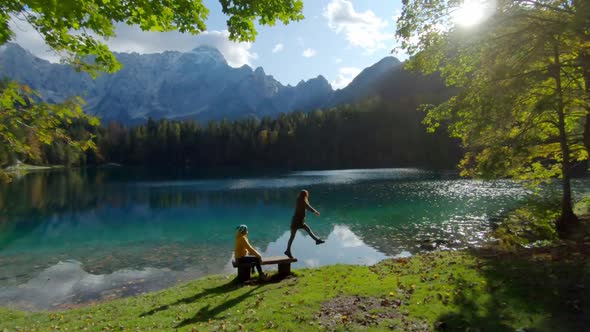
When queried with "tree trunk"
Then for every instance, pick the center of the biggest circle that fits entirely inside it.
(585, 63)
(582, 8)
(567, 217)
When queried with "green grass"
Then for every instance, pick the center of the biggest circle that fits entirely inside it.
(545, 289)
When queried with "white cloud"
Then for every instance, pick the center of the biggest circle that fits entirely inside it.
(29, 39)
(278, 47)
(344, 77)
(236, 54)
(309, 52)
(362, 29)
(338, 60)
(133, 39)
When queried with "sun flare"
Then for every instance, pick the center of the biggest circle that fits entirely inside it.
(472, 12)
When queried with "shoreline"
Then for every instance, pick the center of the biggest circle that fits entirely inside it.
(27, 167)
(33, 294)
(147, 282)
(481, 288)
(22, 167)
(493, 287)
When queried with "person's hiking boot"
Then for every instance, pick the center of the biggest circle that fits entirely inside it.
(319, 241)
(288, 253)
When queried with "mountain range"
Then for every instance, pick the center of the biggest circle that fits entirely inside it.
(188, 85)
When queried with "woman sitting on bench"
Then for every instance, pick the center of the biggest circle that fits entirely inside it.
(245, 253)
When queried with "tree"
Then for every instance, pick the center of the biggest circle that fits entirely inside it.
(74, 28)
(71, 26)
(521, 104)
(25, 122)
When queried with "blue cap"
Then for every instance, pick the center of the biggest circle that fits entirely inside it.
(242, 229)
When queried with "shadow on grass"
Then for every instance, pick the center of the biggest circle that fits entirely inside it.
(206, 313)
(230, 286)
(543, 289)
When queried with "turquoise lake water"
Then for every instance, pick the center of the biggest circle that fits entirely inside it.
(72, 237)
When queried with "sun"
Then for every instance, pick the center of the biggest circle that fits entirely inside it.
(471, 12)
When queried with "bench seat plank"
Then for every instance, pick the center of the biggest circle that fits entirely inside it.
(269, 260)
(284, 263)
(277, 260)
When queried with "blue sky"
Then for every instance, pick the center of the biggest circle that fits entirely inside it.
(329, 32)
(337, 39)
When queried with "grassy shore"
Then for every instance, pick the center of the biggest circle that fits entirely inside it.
(540, 289)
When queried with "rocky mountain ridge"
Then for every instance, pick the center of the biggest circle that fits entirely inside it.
(180, 85)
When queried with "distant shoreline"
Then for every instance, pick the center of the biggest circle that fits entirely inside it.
(28, 167)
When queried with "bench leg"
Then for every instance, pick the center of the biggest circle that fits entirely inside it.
(284, 269)
(244, 273)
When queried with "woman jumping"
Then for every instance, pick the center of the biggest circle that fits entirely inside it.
(298, 220)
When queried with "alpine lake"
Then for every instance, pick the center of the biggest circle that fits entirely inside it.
(72, 237)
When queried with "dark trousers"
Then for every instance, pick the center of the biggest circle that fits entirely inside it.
(252, 260)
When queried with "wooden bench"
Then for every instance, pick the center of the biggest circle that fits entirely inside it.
(284, 263)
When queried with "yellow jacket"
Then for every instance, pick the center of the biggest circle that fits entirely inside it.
(243, 247)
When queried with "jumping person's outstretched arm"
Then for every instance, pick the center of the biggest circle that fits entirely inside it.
(310, 208)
